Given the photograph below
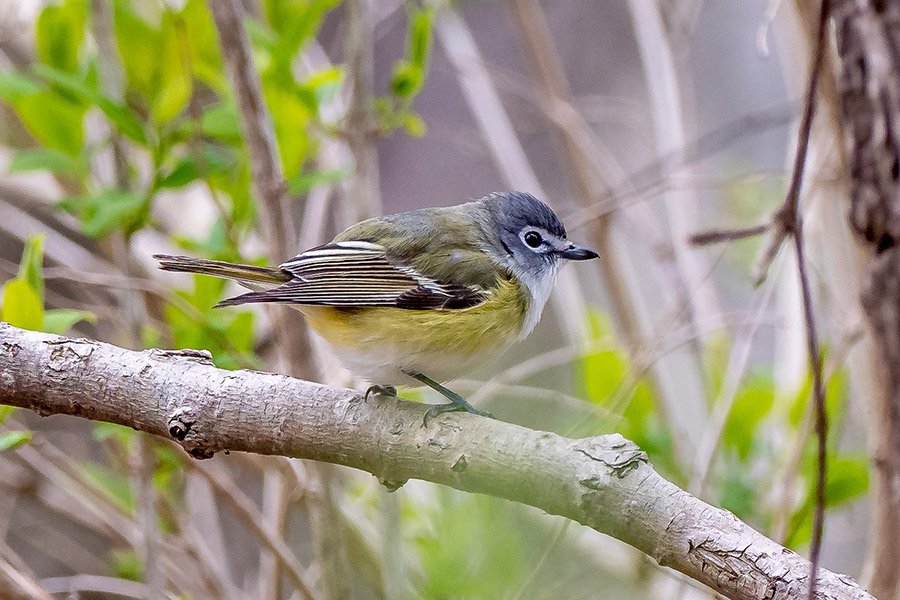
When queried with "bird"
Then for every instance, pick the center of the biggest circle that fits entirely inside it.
(419, 297)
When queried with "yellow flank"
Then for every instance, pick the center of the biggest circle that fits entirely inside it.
(495, 323)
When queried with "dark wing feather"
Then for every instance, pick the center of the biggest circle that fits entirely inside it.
(353, 273)
(457, 297)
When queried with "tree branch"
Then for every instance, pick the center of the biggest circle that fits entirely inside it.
(603, 482)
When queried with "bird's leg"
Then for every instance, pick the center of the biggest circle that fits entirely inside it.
(381, 390)
(457, 403)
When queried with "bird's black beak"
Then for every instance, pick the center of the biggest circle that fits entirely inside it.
(576, 252)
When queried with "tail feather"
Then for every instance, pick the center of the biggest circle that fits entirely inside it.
(253, 277)
(248, 298)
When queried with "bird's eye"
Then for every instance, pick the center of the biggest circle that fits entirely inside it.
(533, 239)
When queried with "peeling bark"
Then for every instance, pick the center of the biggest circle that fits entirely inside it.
(603, 482)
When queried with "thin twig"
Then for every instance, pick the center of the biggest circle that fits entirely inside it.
(74, 585)
(734, 372)
(812, 347)
(668, 106)
(717, 236)
(18, 584)
(362, 198)
(551, 548)
(812, 339)
(592, 170)
(256, 523)
(646, 180)
(267, 177)
(274, 513)
(837, 359)
(788, 221)
(265, 162)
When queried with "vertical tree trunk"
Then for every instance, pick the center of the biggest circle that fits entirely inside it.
(868, 39)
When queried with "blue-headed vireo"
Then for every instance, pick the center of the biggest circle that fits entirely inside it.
(420, 296)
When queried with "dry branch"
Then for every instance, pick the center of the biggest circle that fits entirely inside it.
(603, 482)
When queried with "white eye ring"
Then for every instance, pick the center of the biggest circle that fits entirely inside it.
(532, 239)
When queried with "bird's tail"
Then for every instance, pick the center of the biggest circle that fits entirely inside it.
(250, 276)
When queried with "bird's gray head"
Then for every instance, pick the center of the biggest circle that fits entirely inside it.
(528, 236)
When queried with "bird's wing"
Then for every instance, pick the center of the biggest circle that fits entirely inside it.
(359, 273)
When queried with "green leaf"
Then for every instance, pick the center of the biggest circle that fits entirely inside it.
(109, 209)
(47, 159)
(184, 172)
(10, 440)
(414, 125)
(54, 121)
(15, 86)
(421, 22)
(22, 306)
(409, 74)
(848, 478)
(61, 320)
(173, 83)
(240, 332)
(291, 116)
(835, 398)
(59, 32)
(475, 547)
(295, 22)
(112, 432)
(125, 120)
(301, 184)
(739, 493)
(75, 85)
(212, 161)
(407, 79)
(5, 412)
(112, 484)
(207, 291)
(221, 122)
(31, 265)
(324, 83)
(603, 371)
(126, 564)
(151, 336)
(138, 47)
(203, 44)
(751, 405)
(120, 116)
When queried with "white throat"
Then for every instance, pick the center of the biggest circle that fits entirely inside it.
(539, 288)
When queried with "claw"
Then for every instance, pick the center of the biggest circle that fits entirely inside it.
(439, 409)
(381, 390)
(457, 403)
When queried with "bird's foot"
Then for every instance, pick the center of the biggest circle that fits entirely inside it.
(381, 390)
(458, 405)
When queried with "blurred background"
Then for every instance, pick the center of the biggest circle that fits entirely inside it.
(640, 122)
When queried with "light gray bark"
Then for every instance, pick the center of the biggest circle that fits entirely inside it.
(603, 482)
